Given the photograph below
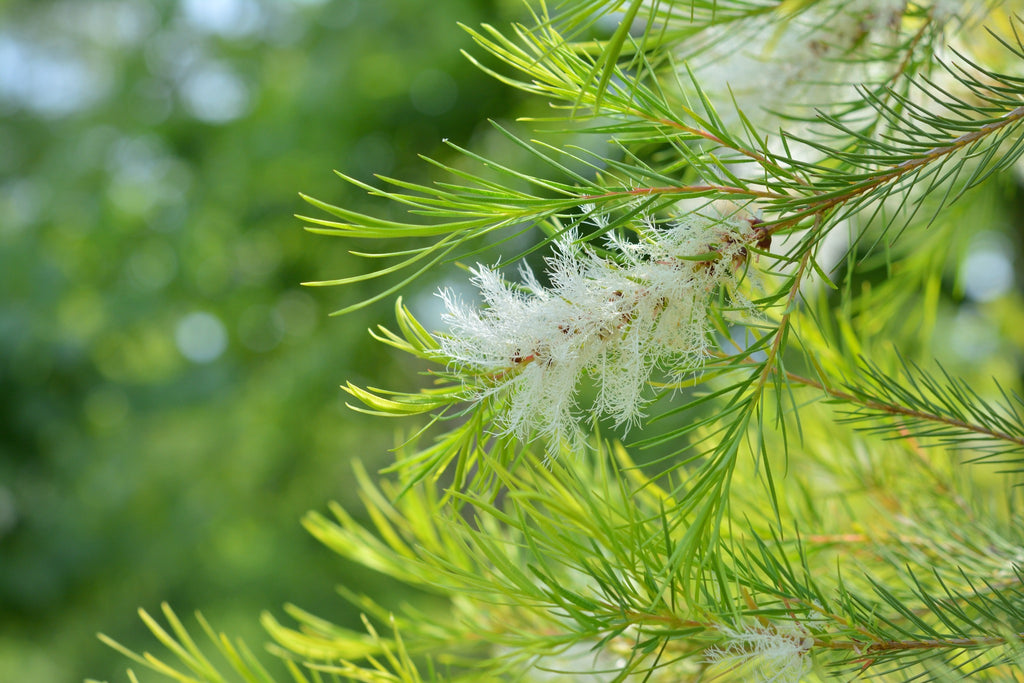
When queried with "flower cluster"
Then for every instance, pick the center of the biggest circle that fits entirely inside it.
(613, 318)
(800, 64)
(812, 58)
(777, 654)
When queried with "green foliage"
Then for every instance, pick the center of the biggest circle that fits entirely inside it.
(131, 472)
(831, 492)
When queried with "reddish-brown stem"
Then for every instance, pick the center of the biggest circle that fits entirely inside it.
(899, 410)
(898, 645)
(818, 207)
(872, 646)
(694, 189)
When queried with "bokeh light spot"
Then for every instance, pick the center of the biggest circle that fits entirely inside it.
(228, 18)
(108, 23)
(213, 93)
(201, 337)
(52, 80)
(987, 271)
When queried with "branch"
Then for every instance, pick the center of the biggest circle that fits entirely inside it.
(897, 410)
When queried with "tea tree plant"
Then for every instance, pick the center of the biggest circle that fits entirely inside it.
(692, 413)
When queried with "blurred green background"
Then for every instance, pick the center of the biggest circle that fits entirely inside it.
(169, 402)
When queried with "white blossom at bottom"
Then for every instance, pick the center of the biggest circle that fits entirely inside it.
(777, 654)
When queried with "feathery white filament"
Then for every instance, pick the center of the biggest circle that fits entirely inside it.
(777, 654)
(613, 319)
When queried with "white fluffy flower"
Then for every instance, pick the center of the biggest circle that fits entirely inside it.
(811, 58)
(777, 654)
(615, 320)
(803, 63)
